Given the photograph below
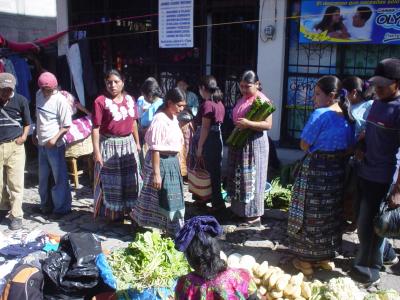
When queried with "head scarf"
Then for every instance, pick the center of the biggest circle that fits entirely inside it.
(197, 226)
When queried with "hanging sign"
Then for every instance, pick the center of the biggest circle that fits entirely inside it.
(364, 22)
(175, 23)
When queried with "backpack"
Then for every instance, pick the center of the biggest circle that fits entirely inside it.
(25, 283)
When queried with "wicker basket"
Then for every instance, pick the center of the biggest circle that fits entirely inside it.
(79, 148)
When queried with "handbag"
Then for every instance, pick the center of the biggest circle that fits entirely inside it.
(200, 181)
(387, 222)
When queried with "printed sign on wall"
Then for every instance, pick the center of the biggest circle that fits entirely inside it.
(365, 22)
(175, 23)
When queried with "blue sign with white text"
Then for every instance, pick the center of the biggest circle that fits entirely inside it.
(363, 22)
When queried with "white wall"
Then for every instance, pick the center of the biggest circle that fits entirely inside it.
(38, 8)
(271, 58)
(62, 24)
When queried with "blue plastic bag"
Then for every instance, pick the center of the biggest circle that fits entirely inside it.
(105, 271)
(150, 294)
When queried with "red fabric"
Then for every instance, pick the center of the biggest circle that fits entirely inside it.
(103, 118)
(211, 110)
(30, 46)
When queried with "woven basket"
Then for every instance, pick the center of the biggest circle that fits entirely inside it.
(200, 182)
(79, 148)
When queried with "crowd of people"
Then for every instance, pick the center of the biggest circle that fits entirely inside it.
(141, 148)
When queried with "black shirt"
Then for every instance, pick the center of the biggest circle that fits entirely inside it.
(18, 109)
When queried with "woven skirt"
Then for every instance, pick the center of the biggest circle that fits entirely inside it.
(117, 182)
(316, 209)
(247, 176)
(163, 209)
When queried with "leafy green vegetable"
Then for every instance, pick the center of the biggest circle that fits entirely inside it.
(342, 288)
(383, 295)
(150, 261)
(259, 111)
(279, 196)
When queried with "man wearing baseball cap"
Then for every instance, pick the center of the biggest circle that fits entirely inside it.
(15, 121)
(382, 138)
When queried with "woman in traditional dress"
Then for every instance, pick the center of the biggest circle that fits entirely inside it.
(247, 169)
(211, 278)
(206, 145)
(315, 212)
(115, 148)
(161, 203)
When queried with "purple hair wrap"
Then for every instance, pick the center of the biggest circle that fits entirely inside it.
(197, 226)
(343, 93)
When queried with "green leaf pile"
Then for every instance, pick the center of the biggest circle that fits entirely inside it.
(279, 196)
(150, 261)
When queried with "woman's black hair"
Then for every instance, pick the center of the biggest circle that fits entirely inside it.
(327, 19)
(363, 88)
(151, 88)
(205, 258)
(251, 77)
(331, 84)
(115, 73)
(209, 83)
(174, 95)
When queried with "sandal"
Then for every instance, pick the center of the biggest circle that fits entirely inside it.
(325, 264)
(248, 224)
(303, 266)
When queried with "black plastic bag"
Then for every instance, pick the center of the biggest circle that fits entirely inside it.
(71, 270)
(387, 222)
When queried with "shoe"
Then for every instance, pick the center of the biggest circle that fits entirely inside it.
(370, 283)
(303, 266)
(57, 216)
(41, 211)
(390, 262)
(325, 265)
(364, 280)
(16, 224)
(3, 215)
(253, 224)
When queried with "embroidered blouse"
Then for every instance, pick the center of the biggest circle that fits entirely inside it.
(326, 130)
(164, 134)
(243, 105)
(231, 284)
(114, 118)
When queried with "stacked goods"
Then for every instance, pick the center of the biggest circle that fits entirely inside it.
(150, 261)
(272, 282)
(259, 111)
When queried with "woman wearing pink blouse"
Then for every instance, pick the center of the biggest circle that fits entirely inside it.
(247, 171)
(161, 203)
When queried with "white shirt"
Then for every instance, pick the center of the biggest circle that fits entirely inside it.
(52, 114)
(358, 33)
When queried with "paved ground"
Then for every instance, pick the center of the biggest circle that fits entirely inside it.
(269, 244)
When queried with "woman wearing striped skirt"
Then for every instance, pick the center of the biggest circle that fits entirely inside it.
(115, 148)
(161, 203)
(247, 169)
(316, 209)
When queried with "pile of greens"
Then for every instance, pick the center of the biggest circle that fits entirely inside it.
(279, 196)
(259, 111)
(342, 288)
(150, 261)
(383, 295)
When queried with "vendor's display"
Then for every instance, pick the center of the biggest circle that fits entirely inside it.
(149, 262)
(278, 196)
(259, 111)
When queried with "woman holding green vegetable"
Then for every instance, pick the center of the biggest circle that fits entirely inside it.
(247, 170)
